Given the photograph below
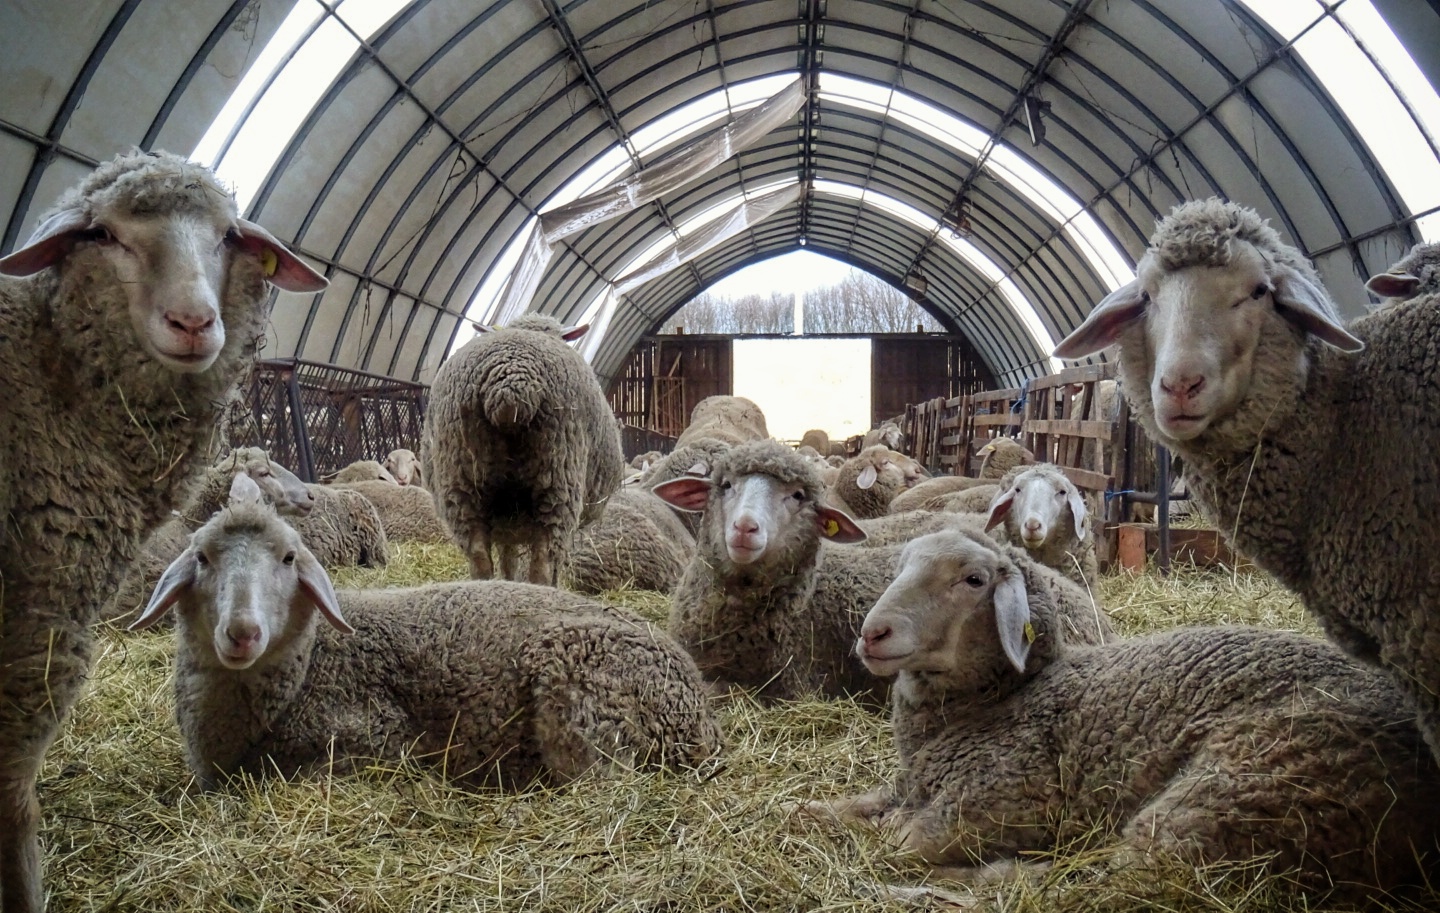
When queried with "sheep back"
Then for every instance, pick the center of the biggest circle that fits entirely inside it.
(407, 512)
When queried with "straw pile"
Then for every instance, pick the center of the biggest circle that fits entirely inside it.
(125, 829)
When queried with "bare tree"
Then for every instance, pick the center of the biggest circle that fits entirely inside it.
(707, 313)
(861, 303)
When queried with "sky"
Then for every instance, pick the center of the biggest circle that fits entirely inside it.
(798, 271)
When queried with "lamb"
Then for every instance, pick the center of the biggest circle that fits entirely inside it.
(404, 465)
(126, 321)
(407, 512)
(1415, 274)
(1039, 509)
(344, 529)
(731, 419)
(362, 471)
(772, 599)
(1232, 356)
(1210, 744)
(491, 682)
(867, 483)
(520, 447)
(639, 543)
(887, 433)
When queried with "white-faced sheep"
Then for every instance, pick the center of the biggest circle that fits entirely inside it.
(887, 433)
(492, 682)
(143, 299)
(1232, 356)
(362, 471)
(1039, 509)
(404, 465)
(1207, 744)
(407, 512)
(769, 603)
(867, 483)
(520, 447)
(1000, 455)
(732, 419)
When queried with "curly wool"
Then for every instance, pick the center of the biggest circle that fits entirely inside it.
(868, 503)
(407, 512)
(344, 529)
(1204, 232)
(640, 543)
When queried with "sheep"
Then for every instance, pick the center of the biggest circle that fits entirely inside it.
(773, 598)
(929, 494)
(520, 447)
(407, 512)
(817, 439)
(492, 682)
(975, 500)
(732, 419)
(644, 461)
(279, 485)
(912, 524)
(867, 483)
(1039, 509)
(1002, 454)
(1415, 274)
(695, 459)
(887, 433)
(1210, 744)
(639, 543)
(404, 465)
(1232, 356)
(344, 529)
(362, 471)
(126, 321)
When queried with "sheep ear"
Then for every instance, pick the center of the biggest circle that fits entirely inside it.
(1012, 619)
(1393, 285)
(1000, 507)
(177, 579)
(1105, 323)
(570, 334)
(49, 244)
(838, 526)
(1309, 307)
(282, 268)
(1079, 512)
(320, 591)
(867, 478)
(243, 490)
(686, 493)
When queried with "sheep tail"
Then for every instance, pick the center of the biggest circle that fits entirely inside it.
(506, 406)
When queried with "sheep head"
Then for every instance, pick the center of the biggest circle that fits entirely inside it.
(1034, 504)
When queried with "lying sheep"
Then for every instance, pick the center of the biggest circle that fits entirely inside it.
(867, 483)
(1002, 454)
(1232, 356)
(1039, 509)
(404, 465)
(126, 321)
(770, 602)
(640, 543)
(343, 529)
(912, 524)
(1207, 744)
(493, 683)
(975, 500)
(930, 494)
(362, 471)
(731, 419)
(520, 447)
(407, 512)
(644, 461)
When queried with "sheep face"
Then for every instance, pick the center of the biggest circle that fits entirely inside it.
(956, 609)
(1036, 504)
(404, 465)
(246, 584)
(278, 485)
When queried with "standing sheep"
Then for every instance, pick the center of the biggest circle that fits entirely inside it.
(1040, 510)
(817, 439)
(492, 682)
(520, 447)
(1232, 356)
(1207, 744)
(143, 301)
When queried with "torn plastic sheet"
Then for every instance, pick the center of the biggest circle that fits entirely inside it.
(741, 218)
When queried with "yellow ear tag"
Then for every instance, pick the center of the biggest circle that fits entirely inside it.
(269, 261)
(1029, 633)
(831, 528)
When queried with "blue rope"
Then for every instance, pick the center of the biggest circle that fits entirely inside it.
(1115, 494)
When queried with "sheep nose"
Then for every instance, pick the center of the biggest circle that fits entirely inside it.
(875, 635)
(1032, 526)
(746, 525)
(1183, 387)
(191, 323)
(243, 634)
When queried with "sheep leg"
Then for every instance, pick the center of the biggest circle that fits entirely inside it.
(543, 563)
(509, 561)
(478, 550)
(20, 888)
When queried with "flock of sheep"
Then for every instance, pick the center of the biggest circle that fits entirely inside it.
(963, 607)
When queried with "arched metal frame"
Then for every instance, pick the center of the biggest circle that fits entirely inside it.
(455, 122)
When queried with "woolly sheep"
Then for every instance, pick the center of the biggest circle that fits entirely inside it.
(493, 682)
(693, 459)
(362, 471)
(1000, 455)
(770, 602)
(1039, 509)
(974, 500)
(279, 486)
(929, 494)
(912, 524)
(407, 512)
(1415, 274)
(647, 459)
(867, 483)
(887, 433)
(520, 447)
(404, 465)
(344, 529)
(126, 321)
(817, 439)
(1210, 744)
(732, 419)
(639, 543)
(1232, 356)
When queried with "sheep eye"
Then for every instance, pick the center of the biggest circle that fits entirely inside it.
(725, 486)
(201, 560)
(799, 496)
(1261, 291)
(1144, 297)
(289, 558)
(1059, 494)
(975, 581)
(99, 234)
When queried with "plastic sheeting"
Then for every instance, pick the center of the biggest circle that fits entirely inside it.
(677, 171)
